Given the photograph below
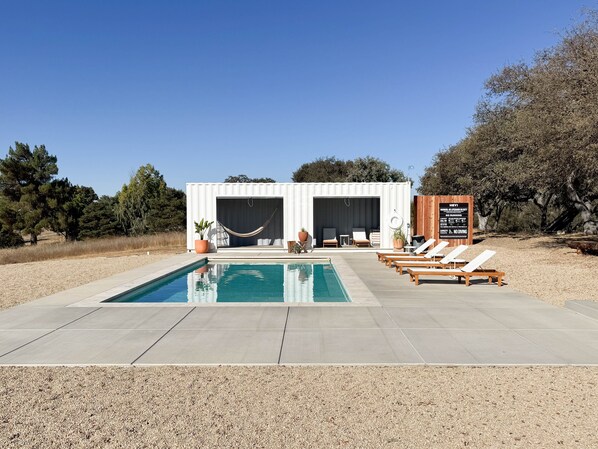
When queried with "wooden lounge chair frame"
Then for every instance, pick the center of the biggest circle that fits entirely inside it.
(359, 242)
(390, 260)
(431, 255)
(472, 269)
(420, 249)
(401, 265)
(329, 242)
(449, 261)
(490, 274)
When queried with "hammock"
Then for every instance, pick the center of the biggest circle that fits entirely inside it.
(252, 233)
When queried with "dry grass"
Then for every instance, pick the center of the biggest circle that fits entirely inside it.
(120, 245)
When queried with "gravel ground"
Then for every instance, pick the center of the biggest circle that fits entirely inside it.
(543, 267)
(302, 407)
(27, 281)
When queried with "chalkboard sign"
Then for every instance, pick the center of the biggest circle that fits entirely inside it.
(454, 221)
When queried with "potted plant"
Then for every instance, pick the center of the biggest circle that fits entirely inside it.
(202, 245)
(303, 235)
(399, 239)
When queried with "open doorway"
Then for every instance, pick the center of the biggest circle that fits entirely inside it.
(344, 214)
(240, 220)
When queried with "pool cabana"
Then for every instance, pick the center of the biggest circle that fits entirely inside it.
(270, 214)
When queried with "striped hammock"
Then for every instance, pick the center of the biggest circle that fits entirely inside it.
(252, 233)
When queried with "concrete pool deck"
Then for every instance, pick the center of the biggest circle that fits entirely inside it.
(435, 323)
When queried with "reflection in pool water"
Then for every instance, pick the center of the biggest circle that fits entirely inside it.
(229, 282)
(245, 282)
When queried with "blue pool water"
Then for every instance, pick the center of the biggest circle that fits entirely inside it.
(230, 282)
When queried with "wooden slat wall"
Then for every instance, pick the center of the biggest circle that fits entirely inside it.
(427, 215)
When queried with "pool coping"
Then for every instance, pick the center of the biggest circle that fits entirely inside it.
(96, 294)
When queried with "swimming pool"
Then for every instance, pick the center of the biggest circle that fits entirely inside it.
(244, 282)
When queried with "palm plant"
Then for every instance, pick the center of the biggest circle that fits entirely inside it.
(400, 235)
(202, 227)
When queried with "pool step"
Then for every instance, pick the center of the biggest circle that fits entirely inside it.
(585, 307)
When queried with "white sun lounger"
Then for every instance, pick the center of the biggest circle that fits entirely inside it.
(450, 260)
(430, 255)
(472, 269)
(359, 238)
(420, 249)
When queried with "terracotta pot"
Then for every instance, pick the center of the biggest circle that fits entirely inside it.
(303, 236)
(398, 244)
(201, 246)
(202, 270)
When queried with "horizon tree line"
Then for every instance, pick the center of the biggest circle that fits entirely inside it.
(33, 198)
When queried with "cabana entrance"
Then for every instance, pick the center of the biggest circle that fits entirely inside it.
(344, 214)
(249, 222)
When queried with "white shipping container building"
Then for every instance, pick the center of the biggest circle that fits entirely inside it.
(271, 214)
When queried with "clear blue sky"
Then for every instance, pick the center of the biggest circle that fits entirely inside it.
(203, 90)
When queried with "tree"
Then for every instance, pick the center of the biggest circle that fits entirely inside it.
(25, 178)
(555, 109)
(371, 169)
(67, 205)
(327, 169)
(246, 179)
(363, 169)
(136, 197)
(535, 138)
(168, 212)
(99, 219)
(10, 239)
(483, 164)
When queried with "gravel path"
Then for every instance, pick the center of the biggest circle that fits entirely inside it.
(300, 407)
(27, 281)
(543, 267)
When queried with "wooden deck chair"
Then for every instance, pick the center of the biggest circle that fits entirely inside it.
(329, 237)
(448, 261)
(420, 249)
(433, 254)
(472, 269)
(359, 238)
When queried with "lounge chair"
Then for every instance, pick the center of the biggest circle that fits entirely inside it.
(359, 238)
(329, 237)
(433, 254)
(420, 249)
(472, 269)
(449, 261)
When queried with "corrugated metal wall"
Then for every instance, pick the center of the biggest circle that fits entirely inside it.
(297, 203)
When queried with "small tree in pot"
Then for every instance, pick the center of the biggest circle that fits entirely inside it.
(399, 239)
(202, 245)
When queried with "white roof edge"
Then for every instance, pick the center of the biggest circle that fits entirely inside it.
(298, 183)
